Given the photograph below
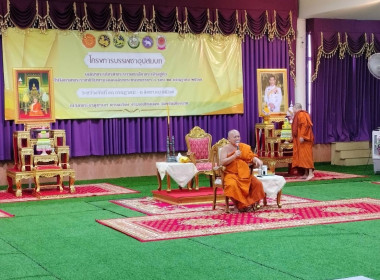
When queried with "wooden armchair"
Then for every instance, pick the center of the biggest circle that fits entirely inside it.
(218, 172)
(199, 151)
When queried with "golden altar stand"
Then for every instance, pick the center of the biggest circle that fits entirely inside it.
(271, 147)
(32, 163)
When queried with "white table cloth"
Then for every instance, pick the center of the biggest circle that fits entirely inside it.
(181, 173)
(272, 184)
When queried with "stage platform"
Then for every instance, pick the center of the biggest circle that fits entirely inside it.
(185, 196)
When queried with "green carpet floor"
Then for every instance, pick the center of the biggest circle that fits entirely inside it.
(59, 239)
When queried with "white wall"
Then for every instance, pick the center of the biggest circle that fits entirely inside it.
(300, 88)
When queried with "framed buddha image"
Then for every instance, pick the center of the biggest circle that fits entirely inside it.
(272, 92)
(34, 95)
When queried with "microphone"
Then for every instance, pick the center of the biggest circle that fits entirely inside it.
(237, 145)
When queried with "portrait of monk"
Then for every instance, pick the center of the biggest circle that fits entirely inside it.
(35, 108)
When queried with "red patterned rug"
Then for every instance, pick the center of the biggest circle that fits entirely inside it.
(4, 214)
(80, 191)
(193, 224)
(319, 175)
(151, 206)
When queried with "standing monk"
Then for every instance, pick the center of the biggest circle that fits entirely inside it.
(245, 190)
(303, 139)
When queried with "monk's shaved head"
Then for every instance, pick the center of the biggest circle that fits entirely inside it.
(232, 133)
(297, 107)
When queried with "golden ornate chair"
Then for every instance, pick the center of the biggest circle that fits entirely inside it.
(218, 172)
(199, 151)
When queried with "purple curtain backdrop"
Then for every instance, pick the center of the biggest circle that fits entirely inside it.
(146, 135)
(345, 96)
(346, 100)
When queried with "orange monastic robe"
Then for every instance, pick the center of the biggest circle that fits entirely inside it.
(239, 184)
(36, 110)
(302, 152)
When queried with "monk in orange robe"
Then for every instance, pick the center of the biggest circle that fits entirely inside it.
(35, 108)
(303, 140)
(244, 189)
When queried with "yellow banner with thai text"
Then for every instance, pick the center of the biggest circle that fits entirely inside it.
(100, 74)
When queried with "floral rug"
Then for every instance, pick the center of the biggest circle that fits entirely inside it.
(151, 206)
(80, 191)
(4, 214)
(319, 175)
(194, 224)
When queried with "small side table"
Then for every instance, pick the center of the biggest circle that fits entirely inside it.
(181, 173)
(16, 176)
(272, 185)
(54, 171)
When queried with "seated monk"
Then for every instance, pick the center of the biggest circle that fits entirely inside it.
(244, 189)
(35, 108)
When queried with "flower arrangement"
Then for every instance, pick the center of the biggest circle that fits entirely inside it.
(266, 114)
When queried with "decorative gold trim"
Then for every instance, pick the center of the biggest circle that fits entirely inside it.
(197, 132)
(292, 59)
(239, 28)
(216, 28)
(322, 52)
(76, 22)
(272, 27)
(248, 31)
(114, 22)
(151, 26)
(343, 48)
(185, 24)
(119, 21)
(361, 51)
(145, 23)
(85, 23)
(290, 34)
(209, 28)
(179, 24)
(371, 47)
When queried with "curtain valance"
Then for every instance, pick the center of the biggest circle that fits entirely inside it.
(342, 37)
(101, 15)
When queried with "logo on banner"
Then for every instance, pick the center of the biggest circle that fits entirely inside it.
(104, 41)
(133, 42)
(119, 41)
(88, 41)
(161, 42)
(147, 42)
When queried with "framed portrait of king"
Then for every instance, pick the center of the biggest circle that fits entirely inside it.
(34, 95)
(272, 92)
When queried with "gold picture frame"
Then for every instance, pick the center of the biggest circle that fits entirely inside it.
(34, 95)
(272, 92)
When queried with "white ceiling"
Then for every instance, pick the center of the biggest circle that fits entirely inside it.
(340, 9)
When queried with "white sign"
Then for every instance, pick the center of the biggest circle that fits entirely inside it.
(117, 60)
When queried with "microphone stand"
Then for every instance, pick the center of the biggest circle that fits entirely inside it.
(170, 152)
